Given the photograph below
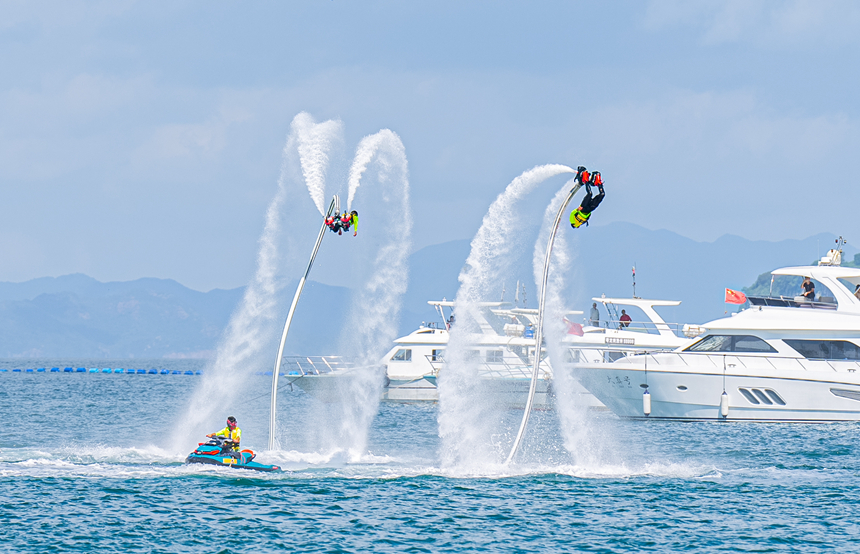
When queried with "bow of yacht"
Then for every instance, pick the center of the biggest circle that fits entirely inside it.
(780, 359)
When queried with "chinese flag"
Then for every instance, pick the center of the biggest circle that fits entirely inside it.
(574, 328)
(735, 297)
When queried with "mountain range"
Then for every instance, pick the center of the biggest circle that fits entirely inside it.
(78, 316)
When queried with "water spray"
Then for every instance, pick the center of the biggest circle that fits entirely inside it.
(333, 208)
(539, 330)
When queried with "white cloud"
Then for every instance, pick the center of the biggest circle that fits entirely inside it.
(788, 23)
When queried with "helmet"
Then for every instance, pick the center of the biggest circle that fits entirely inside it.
(231, 422)
(581, 168)
(353, 212)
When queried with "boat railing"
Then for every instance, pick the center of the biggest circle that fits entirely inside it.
(314, 365)
(644, 326)
(501, 368)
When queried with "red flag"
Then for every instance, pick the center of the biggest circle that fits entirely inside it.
(735, 297)
(574, 328)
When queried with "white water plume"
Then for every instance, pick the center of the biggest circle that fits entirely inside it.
(254, 322)
(466, 422)
(581, 435)
(314, 143)
(380, 162)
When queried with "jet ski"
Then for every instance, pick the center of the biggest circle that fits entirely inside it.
(219, 451)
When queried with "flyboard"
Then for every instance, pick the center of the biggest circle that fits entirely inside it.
(334, 208)
(539, 330)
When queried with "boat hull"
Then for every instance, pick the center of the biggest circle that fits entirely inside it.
(688, 395)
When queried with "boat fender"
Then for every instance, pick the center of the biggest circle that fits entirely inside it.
(724, 404)
(646, 403)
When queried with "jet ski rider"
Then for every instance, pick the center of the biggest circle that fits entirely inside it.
(231, 432)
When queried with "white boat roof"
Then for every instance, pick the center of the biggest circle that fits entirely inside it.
(819, 272)
(638, 302)
(451, 304)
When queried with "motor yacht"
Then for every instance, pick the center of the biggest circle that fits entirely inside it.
(503, 351)
(782, 358)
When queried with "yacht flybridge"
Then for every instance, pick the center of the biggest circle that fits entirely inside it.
(504, 350)
(784, 358)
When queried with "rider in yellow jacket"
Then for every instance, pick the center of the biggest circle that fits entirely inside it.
(231, 432)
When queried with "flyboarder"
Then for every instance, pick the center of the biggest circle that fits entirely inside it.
(589, 203)
(340, 223)
(333, 223)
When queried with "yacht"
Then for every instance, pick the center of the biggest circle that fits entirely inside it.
(782, 358)
(503, 351)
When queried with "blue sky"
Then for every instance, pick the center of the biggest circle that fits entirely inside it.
(144, 138)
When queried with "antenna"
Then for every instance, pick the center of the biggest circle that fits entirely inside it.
(634, 280)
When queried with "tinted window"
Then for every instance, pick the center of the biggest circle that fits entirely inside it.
(731, 343)
(438, 355)
(826, 349)
(713, 343)
(402, 355)
(748, 343)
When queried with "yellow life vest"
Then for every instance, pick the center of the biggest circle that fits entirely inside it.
(234, 435)
(577, 218)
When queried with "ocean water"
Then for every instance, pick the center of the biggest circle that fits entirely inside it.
(86, 465)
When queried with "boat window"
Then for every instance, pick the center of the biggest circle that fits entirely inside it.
(730, 343)
(495, 356)
(775, 397)
(749, 343)
(437, 355)
(712, 343)
(762, 396)
(825, 349)
(402, 355)
(748, 395)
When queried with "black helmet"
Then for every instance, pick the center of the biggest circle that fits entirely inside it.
(353, 212)
(580, 168)
(231, 421)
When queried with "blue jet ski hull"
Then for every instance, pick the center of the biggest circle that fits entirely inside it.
(211, 453)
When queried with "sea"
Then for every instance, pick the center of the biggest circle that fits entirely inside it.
(87, 464)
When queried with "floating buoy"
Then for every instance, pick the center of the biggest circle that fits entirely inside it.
(31, 371)
(724, 404)
(646, 403)
(55, 370)
(119, 370)
(189, 372)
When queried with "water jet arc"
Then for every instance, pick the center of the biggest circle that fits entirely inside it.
(334, 207)
(539, 330)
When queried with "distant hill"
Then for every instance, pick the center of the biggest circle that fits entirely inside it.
(78, 316)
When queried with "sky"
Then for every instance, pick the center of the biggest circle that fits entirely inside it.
(144, 139)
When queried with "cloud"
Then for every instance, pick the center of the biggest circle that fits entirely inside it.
(789, 23)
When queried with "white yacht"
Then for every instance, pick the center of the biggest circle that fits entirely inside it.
(780, 359)
(505, 348)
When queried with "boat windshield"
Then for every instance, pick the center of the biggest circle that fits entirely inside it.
(730, 343)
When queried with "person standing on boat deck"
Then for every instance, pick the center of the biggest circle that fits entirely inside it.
(808, 288)
(857, 292)
(624, 319)
(594, 318)
(231, 432)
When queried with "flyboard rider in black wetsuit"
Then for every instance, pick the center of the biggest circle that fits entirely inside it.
(590, 202)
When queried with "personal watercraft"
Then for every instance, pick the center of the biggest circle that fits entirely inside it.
(219, 451)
